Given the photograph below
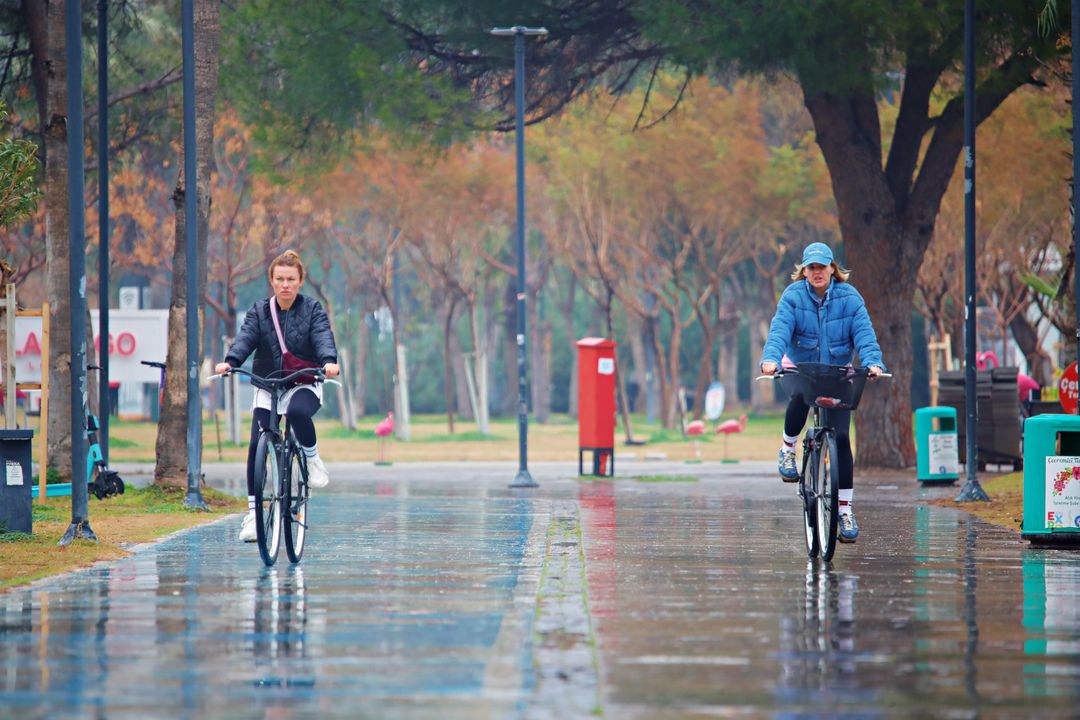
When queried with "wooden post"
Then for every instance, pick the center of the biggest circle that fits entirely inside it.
(9, 355)
(942, 349)
(43, 448)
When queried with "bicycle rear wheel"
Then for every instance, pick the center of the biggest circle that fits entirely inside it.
(267, 499)
(295, 503)
(808, 496)
(828, 500)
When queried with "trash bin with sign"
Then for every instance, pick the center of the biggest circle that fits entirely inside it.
(937, 447)
(16, 513)
(1052, 478)
(596, 404)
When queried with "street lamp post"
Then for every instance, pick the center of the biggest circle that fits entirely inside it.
(972, 490)
(523, 478)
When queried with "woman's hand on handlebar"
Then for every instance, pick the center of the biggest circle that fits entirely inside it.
(331, 370)
(768, 367)
(222, 367)
(873, 371)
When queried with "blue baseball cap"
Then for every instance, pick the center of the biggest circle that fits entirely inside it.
(817, 253)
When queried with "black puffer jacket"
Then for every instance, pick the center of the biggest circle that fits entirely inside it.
(305, 327)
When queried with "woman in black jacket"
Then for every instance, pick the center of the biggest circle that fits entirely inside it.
(306, 332)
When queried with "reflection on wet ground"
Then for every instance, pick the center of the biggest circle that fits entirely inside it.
(627, 599)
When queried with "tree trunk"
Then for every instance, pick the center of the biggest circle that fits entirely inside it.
(567, 309)
(171, 468)
(509, 398)
(541, 372)
(448, 365)
(705, 367)
(1039, 365)
(57, 245)
(361, 340)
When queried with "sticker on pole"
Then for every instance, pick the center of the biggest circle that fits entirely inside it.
(13, 472)
(1062, 491)
(1068, 392)
(944, 454)
(605, 366)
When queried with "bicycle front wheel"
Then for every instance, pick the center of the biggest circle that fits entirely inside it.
(295, 504)
(808, 485)
(828, 500)
(267, 499)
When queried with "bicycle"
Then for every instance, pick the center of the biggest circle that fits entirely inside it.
(823, 387)
(281, 475)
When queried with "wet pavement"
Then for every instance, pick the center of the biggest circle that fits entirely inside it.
(436, 591)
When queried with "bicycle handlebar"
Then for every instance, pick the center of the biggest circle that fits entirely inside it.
(780, 372)
(151, 363)
(271, 384)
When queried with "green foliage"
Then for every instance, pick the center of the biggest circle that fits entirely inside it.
(466, 436)
(1040, 285)
(830, 45)
(309, 75)
(19, 193)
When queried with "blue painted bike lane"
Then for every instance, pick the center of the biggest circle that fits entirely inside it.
(401, 604)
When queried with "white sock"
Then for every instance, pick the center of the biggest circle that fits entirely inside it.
(845, 497)
(251, 503)
(789, 442)
(311, 451)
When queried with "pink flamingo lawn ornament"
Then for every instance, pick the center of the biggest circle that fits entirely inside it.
(727, 428)
(383, 430)
(695, 430)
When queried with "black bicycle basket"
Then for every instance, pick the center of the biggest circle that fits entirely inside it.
(828, 387)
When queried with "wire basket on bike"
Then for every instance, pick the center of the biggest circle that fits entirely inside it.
(825, 386)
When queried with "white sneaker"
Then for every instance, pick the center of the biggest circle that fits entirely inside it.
(317, 475)
(247, 530)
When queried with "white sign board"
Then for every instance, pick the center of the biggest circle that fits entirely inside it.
(13, 472)
(944, 452)
(134, 335)
(1062, 491)
(714, 401)
(605, 366)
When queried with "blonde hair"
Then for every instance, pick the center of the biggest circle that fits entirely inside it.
(289, 258)
(841, 274)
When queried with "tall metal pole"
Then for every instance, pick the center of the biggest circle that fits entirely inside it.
(523, 478)
(80, 521)
(103, 226)
(972, 489)
(1076, 167)
(191, 226)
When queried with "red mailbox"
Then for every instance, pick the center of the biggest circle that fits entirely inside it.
(596, 404)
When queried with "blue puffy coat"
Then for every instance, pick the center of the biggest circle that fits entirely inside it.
(829, 332)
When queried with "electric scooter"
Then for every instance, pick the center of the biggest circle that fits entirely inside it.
(103, 482)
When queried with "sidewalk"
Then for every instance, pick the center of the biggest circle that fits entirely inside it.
(437, 591)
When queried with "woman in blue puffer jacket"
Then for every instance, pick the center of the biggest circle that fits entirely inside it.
(821, 318)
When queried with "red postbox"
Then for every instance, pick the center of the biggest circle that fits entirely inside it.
(596, 404)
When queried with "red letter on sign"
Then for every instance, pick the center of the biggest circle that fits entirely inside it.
(31, 347)
(125, 344)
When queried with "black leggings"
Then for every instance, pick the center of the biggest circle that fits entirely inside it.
(302, 407)
(838, 420)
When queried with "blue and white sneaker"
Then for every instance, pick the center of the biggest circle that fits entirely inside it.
(789, 472)
(849, 529)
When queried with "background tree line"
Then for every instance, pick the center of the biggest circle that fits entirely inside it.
(680, 166)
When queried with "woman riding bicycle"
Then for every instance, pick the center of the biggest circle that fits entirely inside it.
(821, 318)
(306, 331)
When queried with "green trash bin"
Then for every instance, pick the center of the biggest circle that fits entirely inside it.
(937, 447)
(1052, 478)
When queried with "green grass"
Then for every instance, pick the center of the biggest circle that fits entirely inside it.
(665, 478)
(466, 436)
(340, 432)
(154, 499)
